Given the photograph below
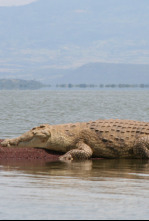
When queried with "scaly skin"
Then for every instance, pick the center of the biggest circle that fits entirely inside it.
(80, 141)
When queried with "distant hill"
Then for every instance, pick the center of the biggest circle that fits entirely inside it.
(102, 73)
(91, 73)
(10, 84)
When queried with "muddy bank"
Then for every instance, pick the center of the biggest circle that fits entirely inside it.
(27, 154)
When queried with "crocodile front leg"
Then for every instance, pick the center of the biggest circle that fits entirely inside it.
(83, 152)
(141, 148)
(37, 137)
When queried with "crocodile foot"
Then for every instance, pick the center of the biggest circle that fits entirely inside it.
(9, 142)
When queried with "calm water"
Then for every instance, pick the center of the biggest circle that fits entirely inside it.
(97, 189)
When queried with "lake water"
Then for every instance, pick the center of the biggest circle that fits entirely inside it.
(96, 189)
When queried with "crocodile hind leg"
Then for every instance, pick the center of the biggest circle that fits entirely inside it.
(37, 137)
(83, 152)
(141, 148)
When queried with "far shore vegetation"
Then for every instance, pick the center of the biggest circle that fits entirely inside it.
(17, 84)
(103, 85)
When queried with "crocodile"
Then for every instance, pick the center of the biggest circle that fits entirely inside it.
(113, 138)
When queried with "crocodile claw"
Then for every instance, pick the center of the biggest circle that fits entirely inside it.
(66, 158)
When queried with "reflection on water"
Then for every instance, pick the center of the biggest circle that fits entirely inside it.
(84, 170)
(96, 189)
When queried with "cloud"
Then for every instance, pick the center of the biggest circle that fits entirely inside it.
(9, 3)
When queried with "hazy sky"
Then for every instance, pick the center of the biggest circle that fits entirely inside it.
(15, 2)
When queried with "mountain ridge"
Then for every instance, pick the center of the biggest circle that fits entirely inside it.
(105, 73)
(91, 73)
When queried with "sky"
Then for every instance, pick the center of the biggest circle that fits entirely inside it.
(15, 2)
(37, 36)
